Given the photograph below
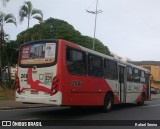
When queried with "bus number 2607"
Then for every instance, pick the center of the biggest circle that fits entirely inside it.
(76, 83)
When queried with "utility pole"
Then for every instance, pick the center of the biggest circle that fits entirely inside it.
(95, 23)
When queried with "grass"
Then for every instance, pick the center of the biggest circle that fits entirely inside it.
(7, 94)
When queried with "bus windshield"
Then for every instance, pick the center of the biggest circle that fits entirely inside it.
(38, 54)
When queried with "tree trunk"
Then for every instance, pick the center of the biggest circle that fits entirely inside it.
(9, 74)
(1, 40)
(28, 22)
(9, 69)
(27, 35)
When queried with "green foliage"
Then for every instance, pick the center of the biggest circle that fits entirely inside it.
(59, 29)
(11, 52)
(4, 19)
(27, 11)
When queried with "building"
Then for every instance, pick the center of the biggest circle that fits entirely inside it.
(154, 67)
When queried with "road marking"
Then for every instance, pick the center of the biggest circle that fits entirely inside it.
(30, 119)
(152, 105)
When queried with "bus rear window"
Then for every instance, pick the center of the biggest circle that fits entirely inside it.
(38, 54)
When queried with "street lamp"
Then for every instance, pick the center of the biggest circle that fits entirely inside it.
(95, 24)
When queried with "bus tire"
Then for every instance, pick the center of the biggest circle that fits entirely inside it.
(108, 102)
(141, 103)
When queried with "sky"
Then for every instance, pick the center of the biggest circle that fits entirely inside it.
(130, 28)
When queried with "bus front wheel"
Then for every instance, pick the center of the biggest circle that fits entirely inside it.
(108, 102)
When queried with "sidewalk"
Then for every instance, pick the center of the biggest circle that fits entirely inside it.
(12, 104)
(155, 96)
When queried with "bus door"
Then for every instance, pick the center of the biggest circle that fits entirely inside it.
(122, 85)
(148, 76)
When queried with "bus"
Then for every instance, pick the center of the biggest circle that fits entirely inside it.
(59, 72)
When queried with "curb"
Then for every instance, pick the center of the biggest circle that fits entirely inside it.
(26, 107)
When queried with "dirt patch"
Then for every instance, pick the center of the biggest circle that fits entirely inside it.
(7, 94)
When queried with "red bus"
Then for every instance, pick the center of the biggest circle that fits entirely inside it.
(62, 73)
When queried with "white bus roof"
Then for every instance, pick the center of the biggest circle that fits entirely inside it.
(114, 59)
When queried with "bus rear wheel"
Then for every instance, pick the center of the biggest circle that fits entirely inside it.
(141, 103)
(108, 102)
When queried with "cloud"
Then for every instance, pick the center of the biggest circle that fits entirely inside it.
(129, 28)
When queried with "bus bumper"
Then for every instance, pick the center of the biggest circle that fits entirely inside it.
(55, 99)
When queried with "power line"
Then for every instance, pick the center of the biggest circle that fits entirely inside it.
(91, 5)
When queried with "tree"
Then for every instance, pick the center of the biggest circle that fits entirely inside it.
(4, 19)
(61, 30)
(6, 37)
(29, 12)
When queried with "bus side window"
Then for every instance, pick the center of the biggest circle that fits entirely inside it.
(110, 69)
(129, 74)
(106, 68)
(136, 75)
(95, 66)
(76, 62)
(142, 77)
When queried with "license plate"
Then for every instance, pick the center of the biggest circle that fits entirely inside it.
(22, 98)
(34, 92)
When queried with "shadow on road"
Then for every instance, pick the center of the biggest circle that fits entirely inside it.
(66, 113)
(126, 106)
(69, 113)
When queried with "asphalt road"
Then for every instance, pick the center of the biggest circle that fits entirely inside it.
(150, 111)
